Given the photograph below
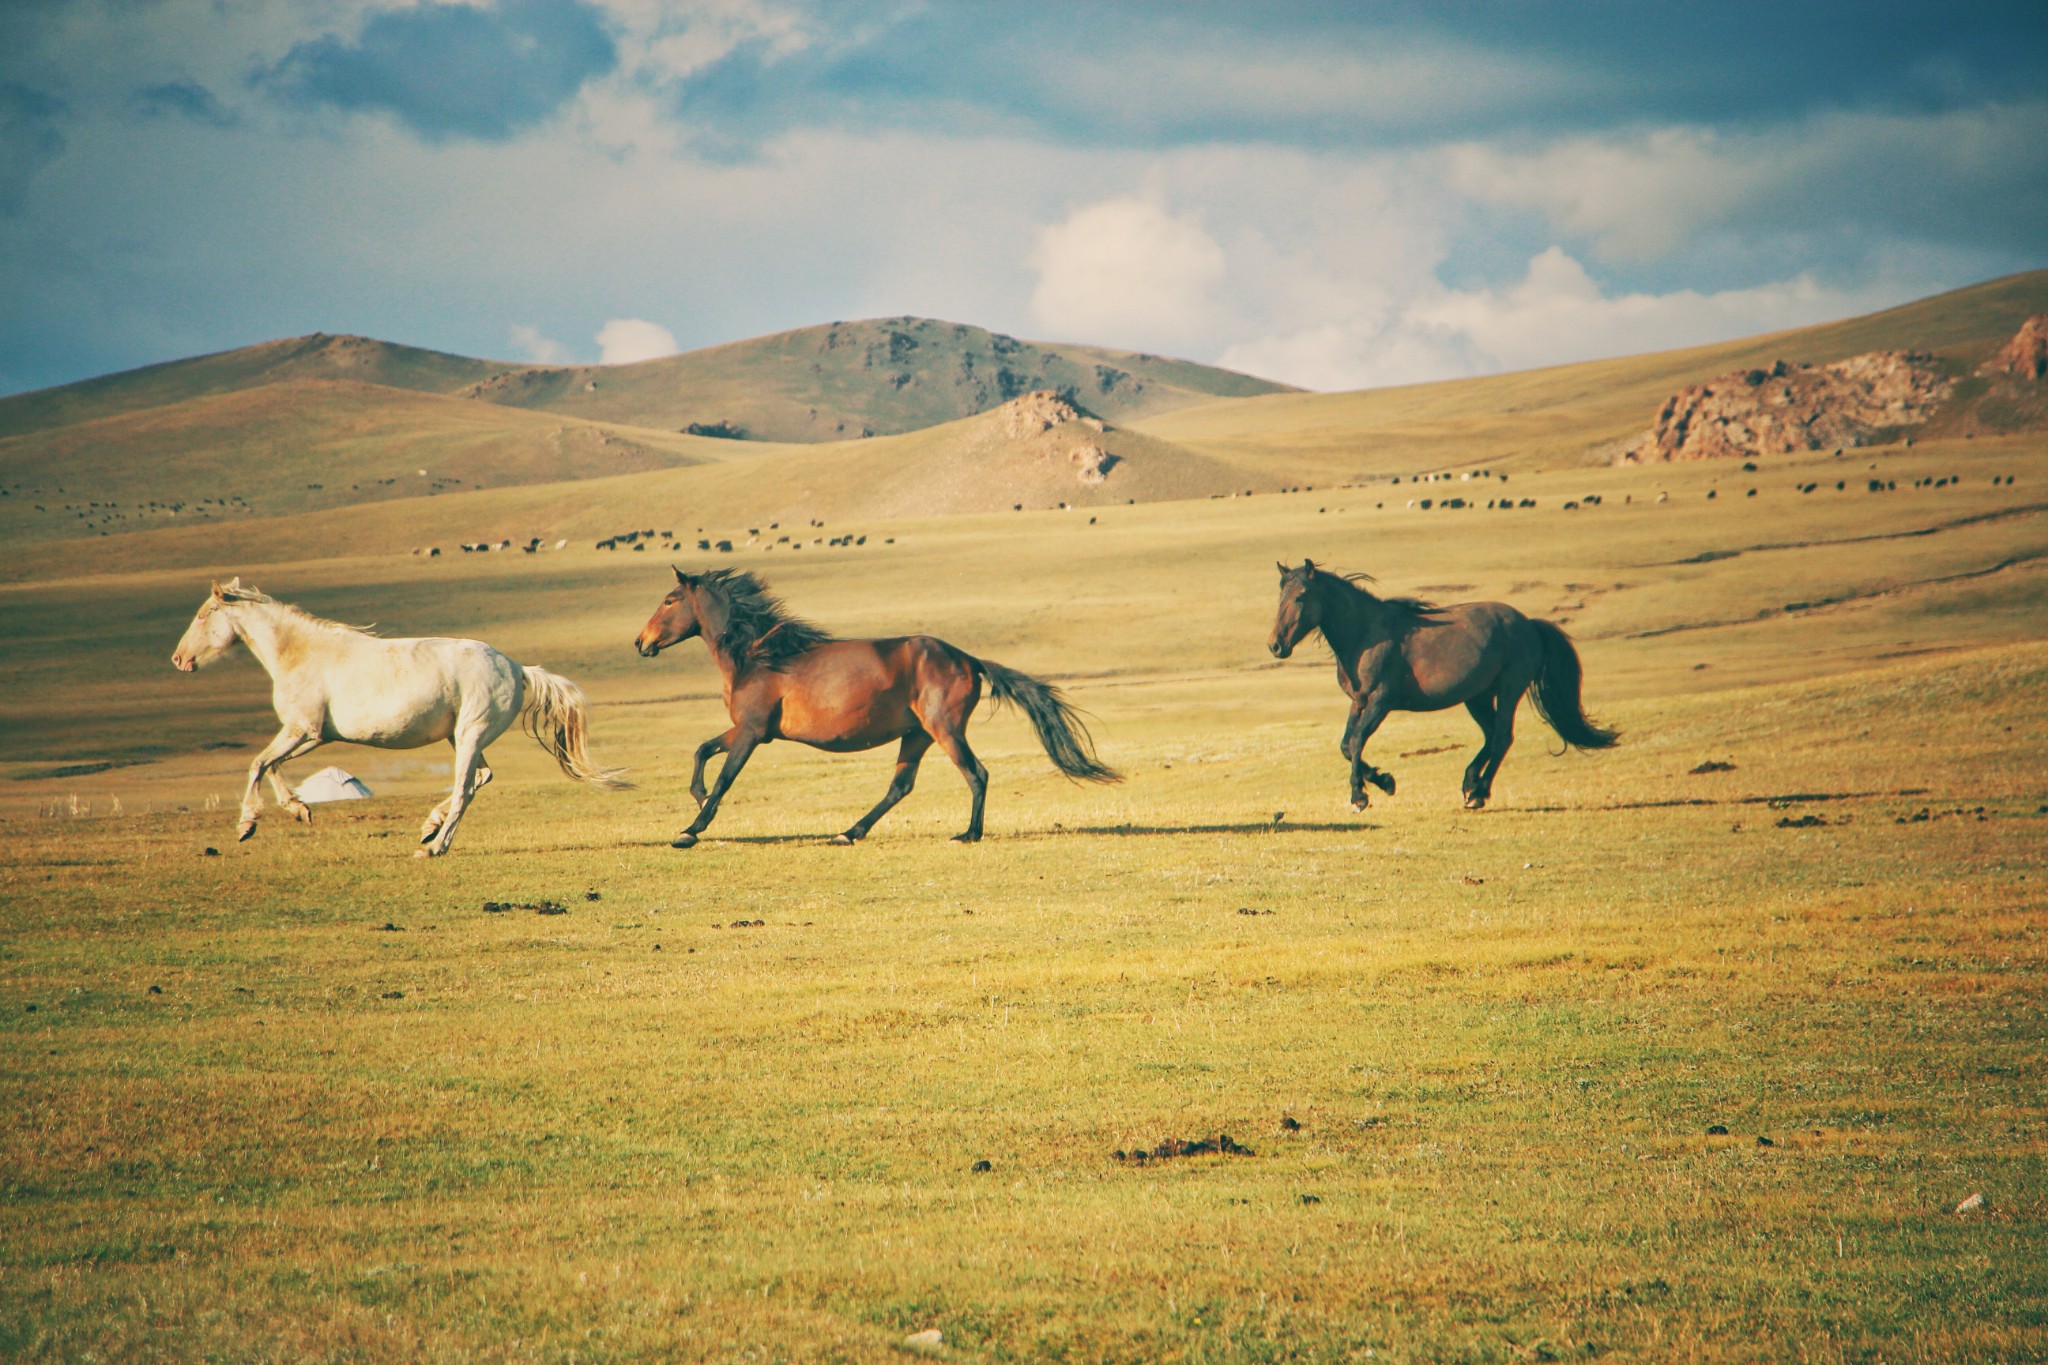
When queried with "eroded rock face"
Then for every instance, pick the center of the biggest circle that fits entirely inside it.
(1039, 410)
(1791, 407)
(2025, 356)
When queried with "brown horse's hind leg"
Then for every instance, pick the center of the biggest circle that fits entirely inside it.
(908, 755)
(736, 755)
(952, 738)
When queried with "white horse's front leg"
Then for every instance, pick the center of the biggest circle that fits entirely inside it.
(289, 743)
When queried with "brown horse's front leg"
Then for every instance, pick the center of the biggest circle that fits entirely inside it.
(717, 744)
(1366, 714)
(737, 753)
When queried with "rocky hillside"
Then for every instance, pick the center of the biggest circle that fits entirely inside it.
(1863, 400)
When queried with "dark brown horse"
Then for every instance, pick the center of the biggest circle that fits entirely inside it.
(787, 679)
(1400, 654)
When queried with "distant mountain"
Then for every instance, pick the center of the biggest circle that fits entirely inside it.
(847, 380)
(829, 383)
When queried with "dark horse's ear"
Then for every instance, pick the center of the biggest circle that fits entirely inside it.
(1308, 568)
(1284, 570)
(682, 578)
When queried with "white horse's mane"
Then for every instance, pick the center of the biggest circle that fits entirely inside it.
(297, 613)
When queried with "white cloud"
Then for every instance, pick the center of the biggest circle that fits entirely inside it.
(541, 350)
(1126, 268)
(622, 341)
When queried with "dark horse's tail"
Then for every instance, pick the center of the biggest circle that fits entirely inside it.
(1557, 692)
(1059, 727)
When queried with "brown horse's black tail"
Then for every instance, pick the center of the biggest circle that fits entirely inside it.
(1557, 692)
(1059, 726)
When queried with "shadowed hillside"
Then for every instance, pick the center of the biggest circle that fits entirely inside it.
(847, 380)
(299, 446)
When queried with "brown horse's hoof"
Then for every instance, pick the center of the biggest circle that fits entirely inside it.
(970, 837)
(842, 841)
(1360, 804)
(1384, 781)
(684, 840)
(1475, 803)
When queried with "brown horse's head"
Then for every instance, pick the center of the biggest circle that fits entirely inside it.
(211, 633)
(674, 621)
(1299, 611)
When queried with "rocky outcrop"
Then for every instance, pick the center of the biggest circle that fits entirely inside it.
(1042, 410)
(1791, 407)
(2025, 356)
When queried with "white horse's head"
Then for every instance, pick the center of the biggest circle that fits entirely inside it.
(212, 632)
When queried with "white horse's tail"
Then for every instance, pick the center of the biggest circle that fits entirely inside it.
(556, 715)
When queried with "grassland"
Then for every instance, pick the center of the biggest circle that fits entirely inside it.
(306, 1098)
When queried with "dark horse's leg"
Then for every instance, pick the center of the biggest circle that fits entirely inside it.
(1366, 714)
(1500, 736)
(1481, 709)
(951, 735)
(717, 744)
(908, 755)
(741, 748)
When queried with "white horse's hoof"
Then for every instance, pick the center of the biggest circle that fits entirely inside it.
(244, 831)
(423, 853)
(301, 812)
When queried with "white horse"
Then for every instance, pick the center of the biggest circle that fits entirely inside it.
(330, 681)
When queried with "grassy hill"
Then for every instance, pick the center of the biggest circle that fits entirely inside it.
(299, 445)
(851, 379)
(1580, 414)
(319, 356)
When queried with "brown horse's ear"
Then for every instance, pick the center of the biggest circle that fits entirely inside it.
(1308, 568)
(1281, 567)
(682, 579)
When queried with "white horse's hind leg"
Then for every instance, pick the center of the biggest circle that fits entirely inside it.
(440, 812)
(288, 744)
(470, 777)
(287, 799)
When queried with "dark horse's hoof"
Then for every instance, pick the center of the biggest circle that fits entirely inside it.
(842, 841)
(1359, 803)
(970, 837)
(684, 840)
(1475, 803)
(1383, 780)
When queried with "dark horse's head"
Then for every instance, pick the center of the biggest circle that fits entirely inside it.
(1300, 610)
(674, 621)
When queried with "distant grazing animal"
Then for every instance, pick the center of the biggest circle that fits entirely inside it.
(1400, 654)
(330, 681)
(787, 679)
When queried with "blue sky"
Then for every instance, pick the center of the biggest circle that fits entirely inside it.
(1334, 195)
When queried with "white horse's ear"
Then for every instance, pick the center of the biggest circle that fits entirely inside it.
(218, 591)
(234, 584)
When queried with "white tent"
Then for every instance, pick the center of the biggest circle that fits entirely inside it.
(333, 784)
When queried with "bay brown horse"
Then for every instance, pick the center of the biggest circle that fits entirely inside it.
(787, 679)
(1401, 654)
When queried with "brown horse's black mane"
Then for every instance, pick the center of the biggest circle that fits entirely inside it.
(758, 628)
(1398, 615)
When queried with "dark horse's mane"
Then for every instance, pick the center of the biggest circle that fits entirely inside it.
(1400, 615)
(759, 629)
